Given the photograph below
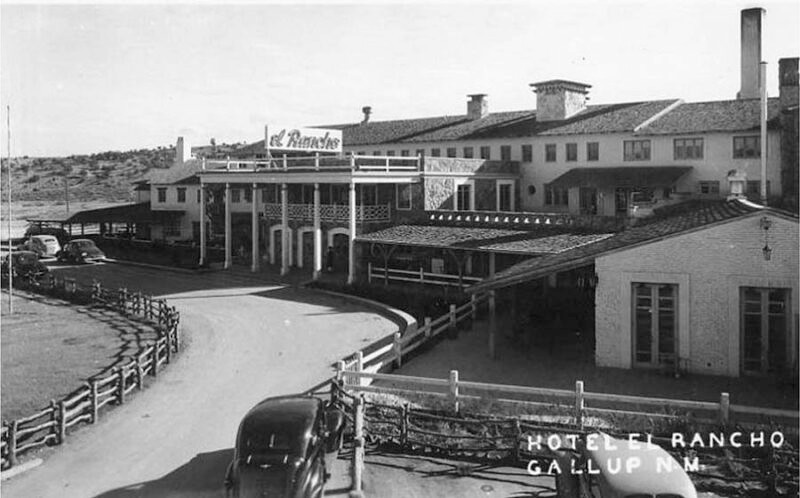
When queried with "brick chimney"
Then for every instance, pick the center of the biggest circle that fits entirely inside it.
(559, 99)
(478, 106)
(789, 96)
(752, 20)
(367, 110)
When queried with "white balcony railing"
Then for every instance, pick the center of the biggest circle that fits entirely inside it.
(330, 212)
(387, 164)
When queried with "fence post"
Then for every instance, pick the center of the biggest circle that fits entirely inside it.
(155, 359)
(454, 389)
(139, 373)
(517, 439)
(358, 445)
(139, 302)
(339, 372)
(421, 275)
(62, 422)
(724, 408)
(121, 385)
(168, 343)
(452, 314)
(397, 345)
(404, 427)
(474, 303)
(54, 416)
(427, 328)
(579, 404)
(95, 404)
(369, 272)
(12, 443)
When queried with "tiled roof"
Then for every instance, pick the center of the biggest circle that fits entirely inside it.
(547, 241)
(378, 132)
(468, 128)
(670, 221)
(609, 118)
(723, 116)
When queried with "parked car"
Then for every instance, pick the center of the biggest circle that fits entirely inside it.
(80, 251)
(608, 467)
(58, 233)
(24, 264)
(281, 446)
(46, 246)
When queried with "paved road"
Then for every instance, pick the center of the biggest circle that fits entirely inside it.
(248, 340)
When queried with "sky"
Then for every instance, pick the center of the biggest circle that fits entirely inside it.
(82, 78)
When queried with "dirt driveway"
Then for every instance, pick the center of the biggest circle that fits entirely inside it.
(248, 340)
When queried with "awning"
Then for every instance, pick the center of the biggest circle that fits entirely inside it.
(127, 213)
(621, 176)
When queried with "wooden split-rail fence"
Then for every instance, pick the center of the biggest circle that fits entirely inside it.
(50, 425)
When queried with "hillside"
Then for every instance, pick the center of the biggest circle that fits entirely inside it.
(104, 176)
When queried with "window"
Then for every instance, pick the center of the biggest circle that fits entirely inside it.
(593, 151)
(404, 152)
(469, 152)
(361, 153)
(403, 196)
(464, 196)
(746, 147)
(505, 152)
(172, 228)
(376, 153)
(550, 153)
(486, 152)
(753, 189)
(390, 153)
(655, 324)
(420, 153)
(555, 196)
(708, 187)
(181, 194)
(162, 194)
(527, 153)
(451, 152)
(198, 194)
(688, 148)
(764, 324)
(505, 195)
(236, 195)
(248, 195)
(572, 152)
(636, 150)
(436, 152)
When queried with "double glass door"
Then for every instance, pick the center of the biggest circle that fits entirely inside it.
(655, 324)
(764, 330)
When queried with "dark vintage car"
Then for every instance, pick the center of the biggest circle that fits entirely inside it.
(281, 447)
(80, 251)
(24, 264)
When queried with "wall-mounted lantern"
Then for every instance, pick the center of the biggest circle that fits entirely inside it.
(765, 224)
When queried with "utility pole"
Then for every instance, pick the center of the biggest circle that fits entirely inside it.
(10, 259)
(66, 190)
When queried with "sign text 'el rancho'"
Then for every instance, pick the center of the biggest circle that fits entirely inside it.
(303, 139)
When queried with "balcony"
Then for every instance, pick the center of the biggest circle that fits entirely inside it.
(368, 164)
(331, 212)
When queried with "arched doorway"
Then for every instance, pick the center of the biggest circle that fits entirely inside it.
(339, 240)
(276, 247)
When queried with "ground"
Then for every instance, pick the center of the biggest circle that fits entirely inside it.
(69, 344)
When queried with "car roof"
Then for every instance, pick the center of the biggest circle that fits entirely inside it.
(659, 472)
(293, 415)
(44, 237)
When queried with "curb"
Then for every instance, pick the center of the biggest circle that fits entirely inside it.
(19, 469)
(155, 267)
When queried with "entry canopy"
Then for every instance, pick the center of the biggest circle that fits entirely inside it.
(621, 176)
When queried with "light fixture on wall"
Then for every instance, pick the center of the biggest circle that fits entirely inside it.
(531, 189)
(765, 224)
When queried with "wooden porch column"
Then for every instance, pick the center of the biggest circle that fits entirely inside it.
(202, 224)
(317, 233)
(492, 316)
(228, 235)
(254, 230)
(284, 229)
(351, 249)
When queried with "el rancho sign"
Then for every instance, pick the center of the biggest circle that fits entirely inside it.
(303, 139)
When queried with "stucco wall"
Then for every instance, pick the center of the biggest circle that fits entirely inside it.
(709, 266)
(439, 193)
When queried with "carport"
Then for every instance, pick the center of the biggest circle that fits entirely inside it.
(129, 219)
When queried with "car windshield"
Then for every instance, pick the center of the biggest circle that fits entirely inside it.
(84, 244)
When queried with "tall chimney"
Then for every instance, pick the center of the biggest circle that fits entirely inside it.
(478, 106)
(183, 152)
(367, 110)
(752, 20)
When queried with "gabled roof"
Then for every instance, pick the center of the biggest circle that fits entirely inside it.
(715, 116)
(186, 173)
(671, 221)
